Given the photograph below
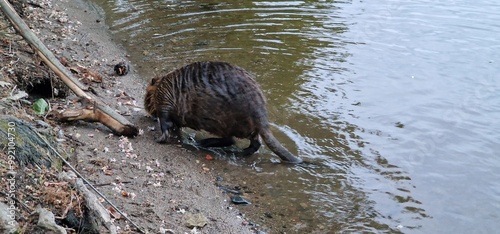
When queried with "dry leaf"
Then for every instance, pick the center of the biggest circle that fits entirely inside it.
(114, 213)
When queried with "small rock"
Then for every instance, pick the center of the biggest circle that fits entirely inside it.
(195, 220)
(239, 200)
(253, 224)
(8, 223)
(46, 222)
(67, 176)
(42, 123)
(166, 231)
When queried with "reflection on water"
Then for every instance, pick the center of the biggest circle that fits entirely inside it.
(376, 95)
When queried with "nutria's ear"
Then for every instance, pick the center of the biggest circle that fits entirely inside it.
(153, 81)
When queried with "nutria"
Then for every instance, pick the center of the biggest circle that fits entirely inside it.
(217, 97)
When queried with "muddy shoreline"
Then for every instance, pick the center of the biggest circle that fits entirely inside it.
(164, 183)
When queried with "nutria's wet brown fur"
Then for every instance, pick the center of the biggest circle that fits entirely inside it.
(218, 97)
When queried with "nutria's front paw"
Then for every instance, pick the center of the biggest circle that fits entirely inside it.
(162, 139)
(168, 138)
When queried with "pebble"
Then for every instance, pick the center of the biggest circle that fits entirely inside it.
(43, 123)
(195, 220)
(7, 224)
(46, 221)
(238, 200)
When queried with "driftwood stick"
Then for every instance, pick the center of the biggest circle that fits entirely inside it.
(118, 124)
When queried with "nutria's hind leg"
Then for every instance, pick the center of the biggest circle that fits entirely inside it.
(253, 147)
(216, 142)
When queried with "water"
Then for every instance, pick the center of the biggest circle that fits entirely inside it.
(396, 103)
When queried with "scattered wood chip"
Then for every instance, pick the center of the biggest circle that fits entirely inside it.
(53, 184)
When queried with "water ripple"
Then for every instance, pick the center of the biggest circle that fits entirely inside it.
(393, 103)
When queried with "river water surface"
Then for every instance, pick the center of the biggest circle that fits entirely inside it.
(395, 103)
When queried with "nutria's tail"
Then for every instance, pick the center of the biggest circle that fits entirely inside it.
(277, 148)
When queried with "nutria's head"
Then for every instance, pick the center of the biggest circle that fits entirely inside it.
(149, 102)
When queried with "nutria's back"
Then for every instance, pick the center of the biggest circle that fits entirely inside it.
(215, 96)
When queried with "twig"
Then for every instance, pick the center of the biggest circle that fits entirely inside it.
(68, 207)
(106, 184)
(229, 190)
(18, 202)
(50, 108)
(12, 91)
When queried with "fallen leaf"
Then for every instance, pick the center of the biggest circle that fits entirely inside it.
(92, 75)
(114, 213)
(40, 106)
(108, 172)
(64, 61)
